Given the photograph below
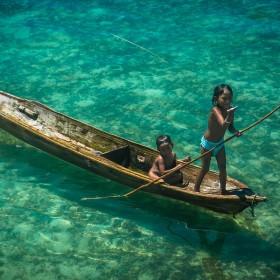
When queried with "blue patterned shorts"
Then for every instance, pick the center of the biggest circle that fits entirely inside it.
(209, 145)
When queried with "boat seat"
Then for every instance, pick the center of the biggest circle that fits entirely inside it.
(120, 156)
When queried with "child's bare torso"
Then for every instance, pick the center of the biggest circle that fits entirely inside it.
(215, 131)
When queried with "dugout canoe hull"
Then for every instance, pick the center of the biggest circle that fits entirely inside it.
(111, 156)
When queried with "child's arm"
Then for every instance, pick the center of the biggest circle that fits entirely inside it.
(224, 121)
(154, 173)
(230, 115)
(161, 167)
(231, 127)
(233, 130)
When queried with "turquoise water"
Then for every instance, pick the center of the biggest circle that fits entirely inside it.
(72, 56)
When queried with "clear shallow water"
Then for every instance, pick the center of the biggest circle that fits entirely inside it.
(64, 55)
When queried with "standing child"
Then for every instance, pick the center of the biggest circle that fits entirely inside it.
(220, 119)
(166, 162)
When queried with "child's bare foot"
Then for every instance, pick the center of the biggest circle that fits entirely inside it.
(183, 185)
(224, 192)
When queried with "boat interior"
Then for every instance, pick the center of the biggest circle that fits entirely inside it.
(120, 156)
(129, 157)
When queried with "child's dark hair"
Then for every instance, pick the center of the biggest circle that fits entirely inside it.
(219, 90)
(163, 139)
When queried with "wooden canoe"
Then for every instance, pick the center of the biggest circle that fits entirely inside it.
(113, 157)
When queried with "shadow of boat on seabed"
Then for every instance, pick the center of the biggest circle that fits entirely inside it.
(204, 219)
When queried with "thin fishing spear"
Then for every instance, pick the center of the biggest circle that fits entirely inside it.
(125, 40)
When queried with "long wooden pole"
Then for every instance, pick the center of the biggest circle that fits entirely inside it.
(185, 163)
